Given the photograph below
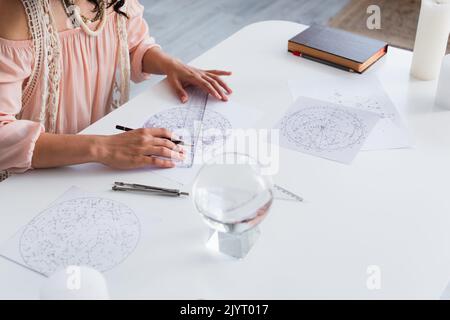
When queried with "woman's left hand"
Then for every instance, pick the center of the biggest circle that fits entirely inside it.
(181, 75)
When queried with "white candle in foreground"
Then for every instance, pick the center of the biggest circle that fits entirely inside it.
(431, 39)
(443, 90)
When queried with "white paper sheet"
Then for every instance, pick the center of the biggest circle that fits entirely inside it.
(326, 130)
(77, 229)
(219, 117)
(364, 92)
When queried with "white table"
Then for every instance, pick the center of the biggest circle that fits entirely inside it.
(389, 208)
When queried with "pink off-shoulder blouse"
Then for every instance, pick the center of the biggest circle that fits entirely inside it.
(88, 66)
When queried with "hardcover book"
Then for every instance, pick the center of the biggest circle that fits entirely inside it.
(337, 48)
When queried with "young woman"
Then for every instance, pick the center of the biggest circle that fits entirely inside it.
(64, 64)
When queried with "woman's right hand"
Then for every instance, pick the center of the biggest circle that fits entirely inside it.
(138, 148)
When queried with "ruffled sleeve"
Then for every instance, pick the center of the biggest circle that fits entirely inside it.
(17, 137)
(139, 40)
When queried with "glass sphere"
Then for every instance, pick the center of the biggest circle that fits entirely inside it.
(232, 194)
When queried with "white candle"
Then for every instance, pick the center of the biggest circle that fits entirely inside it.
(431, 39)
(443, 90)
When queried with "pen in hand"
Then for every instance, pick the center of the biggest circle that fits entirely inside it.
(177, 142)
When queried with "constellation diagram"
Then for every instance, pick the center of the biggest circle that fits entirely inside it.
(180, 120)
(323, 129)
(89, 231)
(206, 131)
(363, 103)
(365, 94)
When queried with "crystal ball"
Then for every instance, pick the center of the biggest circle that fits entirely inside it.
(232, 194)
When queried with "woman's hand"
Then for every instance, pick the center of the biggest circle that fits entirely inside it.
(181, 75)
(138, 148)
(133, 149)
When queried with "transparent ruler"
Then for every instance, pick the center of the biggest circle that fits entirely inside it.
(284, 194)
(193, 118)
